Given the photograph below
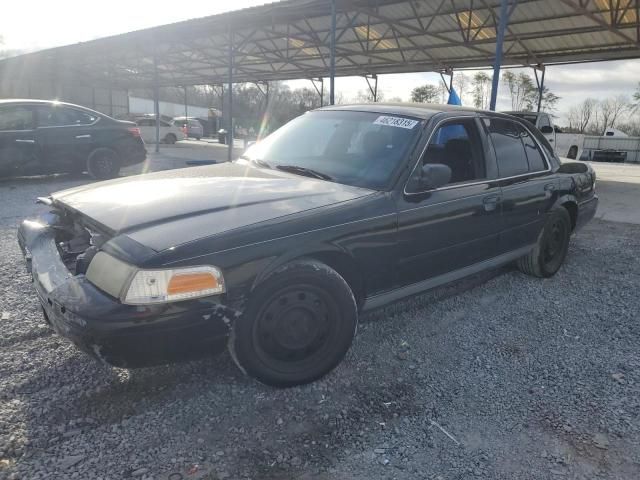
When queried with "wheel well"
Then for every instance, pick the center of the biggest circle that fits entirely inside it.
(348, 269)
(572, 208)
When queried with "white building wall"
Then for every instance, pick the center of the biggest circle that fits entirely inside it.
(145, 105)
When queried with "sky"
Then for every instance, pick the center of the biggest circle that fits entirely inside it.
(49, 23)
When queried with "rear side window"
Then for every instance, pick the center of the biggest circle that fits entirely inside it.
(57, 116)
(534, 155)
(16, 117)
(510, 153)
(146, 122)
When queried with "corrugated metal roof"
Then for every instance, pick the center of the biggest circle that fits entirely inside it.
(290, 39)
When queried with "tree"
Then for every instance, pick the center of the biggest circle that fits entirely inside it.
(427, 93)
(524, 93)
(636, 98)
(481, 90)
(549, 100)
(366, 96)
(461, 84)
(580, 115)
(609, 111)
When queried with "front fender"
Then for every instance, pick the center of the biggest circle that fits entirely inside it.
(304, 251)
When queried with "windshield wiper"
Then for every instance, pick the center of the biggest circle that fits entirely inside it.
(309, 172)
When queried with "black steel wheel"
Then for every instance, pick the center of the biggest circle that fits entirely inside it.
(298, 326)
(551, 249)
(103, 163)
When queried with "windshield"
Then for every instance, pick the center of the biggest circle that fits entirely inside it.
(362, 149)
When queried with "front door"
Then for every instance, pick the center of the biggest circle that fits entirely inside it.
(17, 140)
(456, 225)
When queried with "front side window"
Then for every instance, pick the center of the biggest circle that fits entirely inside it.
(16, 117)
(510, 153)
(355, 148)
(60, 116)
(457, 145)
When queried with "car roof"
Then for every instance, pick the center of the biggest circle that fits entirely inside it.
(522, 112)
(33, 101)
(418, 110)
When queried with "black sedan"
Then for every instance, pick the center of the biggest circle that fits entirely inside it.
(38, 136)
(343, 210)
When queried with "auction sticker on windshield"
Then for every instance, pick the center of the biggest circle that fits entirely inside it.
(395, 122)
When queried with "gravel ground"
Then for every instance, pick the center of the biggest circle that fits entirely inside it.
(500, 376)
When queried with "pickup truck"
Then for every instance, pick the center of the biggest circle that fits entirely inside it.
(343, 210)
(568, 145)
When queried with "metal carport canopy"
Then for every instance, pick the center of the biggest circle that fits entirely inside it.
(291, 39)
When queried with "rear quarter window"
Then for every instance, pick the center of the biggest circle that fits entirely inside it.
(534, 155)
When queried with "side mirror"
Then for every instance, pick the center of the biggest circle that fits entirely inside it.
(546, 129)
(432, 175)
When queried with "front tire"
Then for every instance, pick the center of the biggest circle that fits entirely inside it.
(298, 326)
(551, 248)
(170, 139)
(103, 163)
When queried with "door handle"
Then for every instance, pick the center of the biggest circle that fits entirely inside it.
(25, 140)
(83, 136)
(491, 202)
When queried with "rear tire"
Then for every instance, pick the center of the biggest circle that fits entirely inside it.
(298, 326)
(170, 139)
(573, 153)
(103, 163)
(551, 248)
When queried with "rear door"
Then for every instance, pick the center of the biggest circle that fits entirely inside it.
(456, 225)
(17, 138)
(64, 135)
(528, 185)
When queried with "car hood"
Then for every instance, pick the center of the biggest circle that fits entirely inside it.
(165, 209)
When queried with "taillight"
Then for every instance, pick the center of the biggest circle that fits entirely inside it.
(135, 131)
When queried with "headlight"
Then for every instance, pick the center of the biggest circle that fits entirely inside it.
(155, 286)
(139, 287)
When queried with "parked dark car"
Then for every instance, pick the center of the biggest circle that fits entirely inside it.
(38, 136)
(342, 210)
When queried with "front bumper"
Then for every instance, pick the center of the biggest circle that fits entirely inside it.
(121, 335)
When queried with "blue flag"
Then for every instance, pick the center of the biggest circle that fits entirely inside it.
(454, 99)
(449, 132)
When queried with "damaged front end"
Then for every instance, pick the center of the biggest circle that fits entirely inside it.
(59, 247)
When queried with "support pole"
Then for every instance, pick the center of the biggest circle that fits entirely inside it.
(186, 108)
(332, 73)
(322, 92)
(230, 100)
(375, 89)
(156, 101)
(540, 86)
(499, 44)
